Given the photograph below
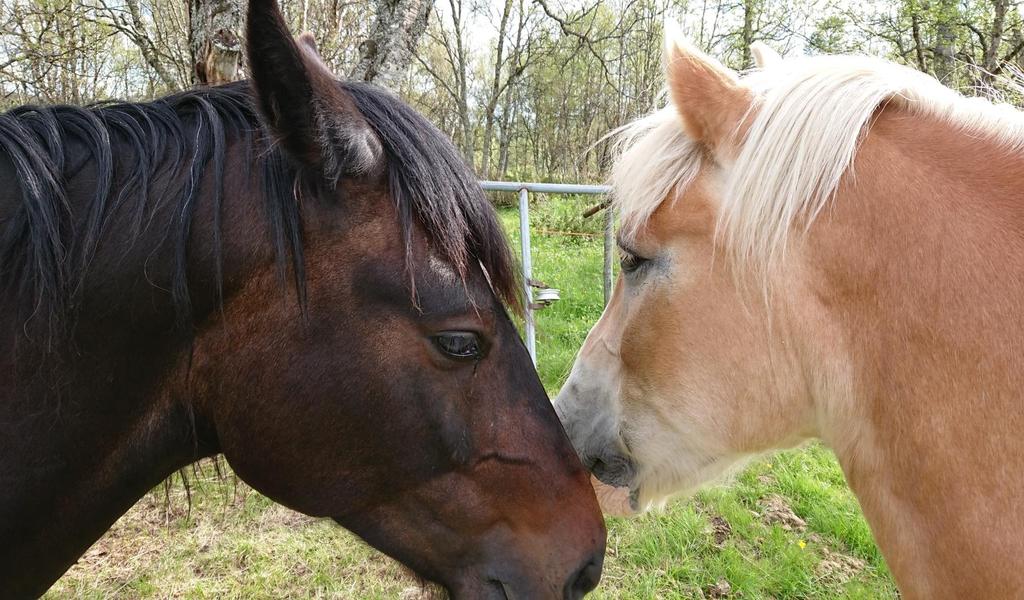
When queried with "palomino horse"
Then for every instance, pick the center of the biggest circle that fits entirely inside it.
(143, 252)
(830, 247)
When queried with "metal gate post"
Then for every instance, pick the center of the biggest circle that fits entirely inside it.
(609, 250)
(524, 243)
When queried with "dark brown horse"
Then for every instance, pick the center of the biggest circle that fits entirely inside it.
(298, 273)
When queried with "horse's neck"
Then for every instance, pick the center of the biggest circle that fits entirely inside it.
(72, 465)
(87, 430)
(83, 436)
(924, 251)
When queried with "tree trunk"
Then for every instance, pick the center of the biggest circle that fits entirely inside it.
(388, 51)
(468, 141)
(945, 41)
(215, 40)
(492, 100)
(460, 65)
(505, 133)
(991, 61)
(134, 27)
(749, 11)
(915, 28)
(1016, 55)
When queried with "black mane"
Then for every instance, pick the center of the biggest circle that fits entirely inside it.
(170, 144)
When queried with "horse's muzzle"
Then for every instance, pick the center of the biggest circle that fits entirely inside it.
(580, 582)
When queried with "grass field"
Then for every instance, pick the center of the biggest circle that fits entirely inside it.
(785, 527)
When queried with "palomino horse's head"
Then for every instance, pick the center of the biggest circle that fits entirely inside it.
(406, 407)
(729, 331)
(680, 377)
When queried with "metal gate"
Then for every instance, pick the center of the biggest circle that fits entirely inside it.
(524, 189)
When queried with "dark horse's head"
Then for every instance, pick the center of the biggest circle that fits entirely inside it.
(385, 388)
(407, 409)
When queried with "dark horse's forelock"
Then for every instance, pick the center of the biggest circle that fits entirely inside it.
(172, 144)
(430, 181)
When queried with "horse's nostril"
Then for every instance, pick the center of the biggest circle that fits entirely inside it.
(604, 469)
(585, 579)
(613, 469)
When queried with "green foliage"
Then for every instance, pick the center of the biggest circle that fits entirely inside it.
(830, 36)
(565, 214)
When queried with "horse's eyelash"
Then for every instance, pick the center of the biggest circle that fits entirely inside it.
(630, 261)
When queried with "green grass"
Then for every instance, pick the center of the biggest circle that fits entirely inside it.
(234, 543)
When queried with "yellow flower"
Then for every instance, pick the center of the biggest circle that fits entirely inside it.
(802, 544)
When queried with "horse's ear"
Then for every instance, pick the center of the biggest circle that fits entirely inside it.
(306, 39)
(708, 96)
(303, 104)
(764, 55)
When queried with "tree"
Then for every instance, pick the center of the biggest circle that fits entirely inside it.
(512, 56)
(386, 52)
(215, 40)
(946, 17)
(50, 51)
(446, 59)
(157, 49)
(526, 88)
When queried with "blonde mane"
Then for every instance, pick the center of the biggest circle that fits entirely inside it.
(810, 116)
(656, 161)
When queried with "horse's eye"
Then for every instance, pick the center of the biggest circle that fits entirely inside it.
(630, 262)
(463, 345)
